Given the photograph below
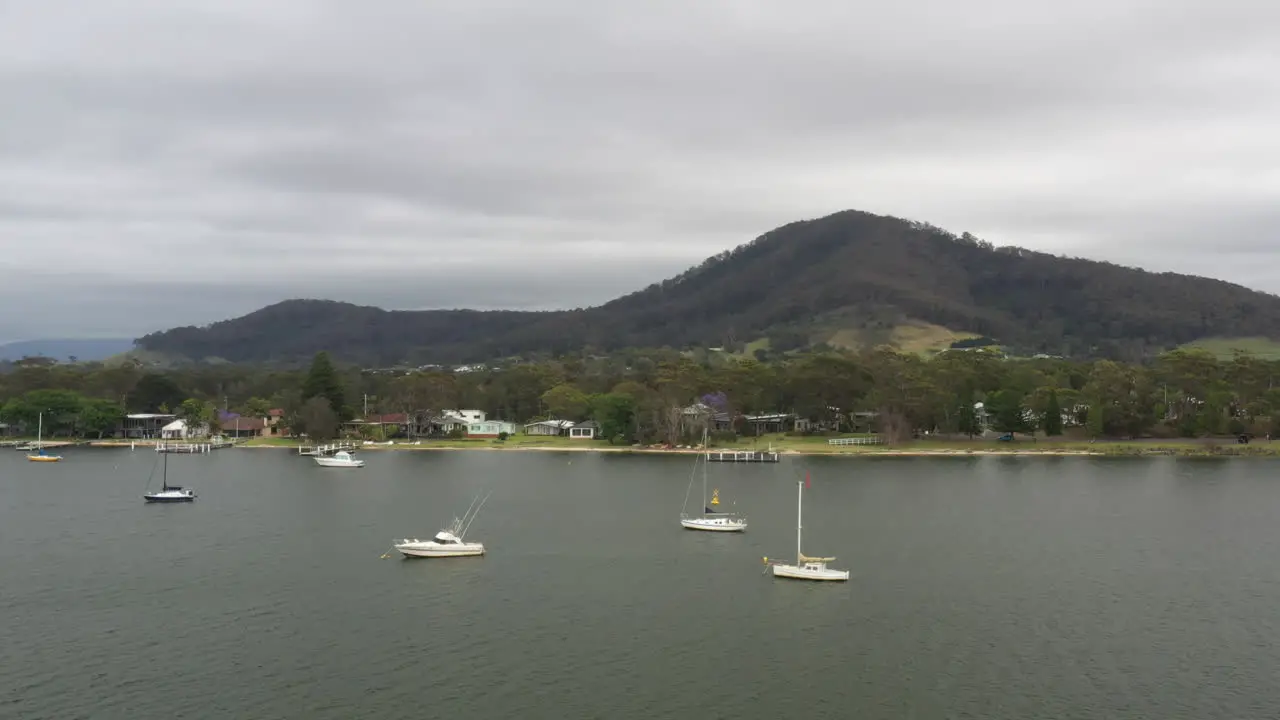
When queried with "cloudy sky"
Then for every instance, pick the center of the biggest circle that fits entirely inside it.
(168, 162)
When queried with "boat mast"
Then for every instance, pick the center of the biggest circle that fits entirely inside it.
(705, 461)
(39, 432)
(164, 476)
(799, 515)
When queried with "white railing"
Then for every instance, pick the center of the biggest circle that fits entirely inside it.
(864, 440)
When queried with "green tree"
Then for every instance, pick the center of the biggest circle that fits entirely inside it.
(99, 417)
(1052, 422)
(155, 393)
(1008, 414)
(566, 402)
(318, 420)
(615, 414)
(257, 407)
(322, 381)
(1096, 422)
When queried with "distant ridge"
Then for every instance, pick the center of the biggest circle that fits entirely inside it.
(851, 279)
(62, 349)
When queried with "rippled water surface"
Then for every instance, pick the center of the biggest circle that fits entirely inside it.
(982, 587)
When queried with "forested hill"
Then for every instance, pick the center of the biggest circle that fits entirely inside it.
(850, 279)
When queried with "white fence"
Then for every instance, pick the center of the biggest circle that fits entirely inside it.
(864, 440)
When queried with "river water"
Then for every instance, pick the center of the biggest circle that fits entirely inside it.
(982, 588)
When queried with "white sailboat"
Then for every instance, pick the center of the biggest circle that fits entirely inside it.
(806, 568)
(448, 542)
(709, 520)
(168, 493)
(41, 455)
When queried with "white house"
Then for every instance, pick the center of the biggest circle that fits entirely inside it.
(584, 431)
(451, 420)
(490, 428)
(178, 430)
(548, 427)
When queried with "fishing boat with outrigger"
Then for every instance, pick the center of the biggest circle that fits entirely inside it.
(41, 455)
(168, 493)
(805, 568)
(711, 520)
(448, 542)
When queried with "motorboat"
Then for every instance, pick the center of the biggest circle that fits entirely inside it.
(339, 459)
(449, 541)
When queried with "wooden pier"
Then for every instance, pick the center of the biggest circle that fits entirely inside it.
(316, 450)
(192, 448)
(742, 456)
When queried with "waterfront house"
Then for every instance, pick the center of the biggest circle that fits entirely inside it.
(238, 426)
(144, 426)
(178, 430)
(490, 428)
(771, 423)
(389, 424)
(548, 427)
(584, 431)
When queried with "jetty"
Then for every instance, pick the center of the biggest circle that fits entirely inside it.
(320, 450)
(191, 448)
(743, 456)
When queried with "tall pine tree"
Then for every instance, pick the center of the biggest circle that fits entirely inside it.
(322, 381)
(1052, 415)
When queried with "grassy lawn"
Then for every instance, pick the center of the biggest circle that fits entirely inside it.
(1223, 348)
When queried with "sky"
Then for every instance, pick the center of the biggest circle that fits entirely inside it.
(177, 162)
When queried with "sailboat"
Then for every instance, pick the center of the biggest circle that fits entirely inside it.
(40, 455)
(447, 542)
(806, 568)
(168, 493)
(710, 520)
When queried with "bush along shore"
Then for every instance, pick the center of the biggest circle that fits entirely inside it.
(1183, 402)
(807, 446)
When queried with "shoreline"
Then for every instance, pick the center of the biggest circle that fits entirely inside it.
(1110, 449)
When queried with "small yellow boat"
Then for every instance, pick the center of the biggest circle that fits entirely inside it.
(40, 456)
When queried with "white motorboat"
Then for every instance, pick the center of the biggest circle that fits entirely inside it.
(168, 493)
(805, 568)
(710, 520)
(339, 459)
(448, 542)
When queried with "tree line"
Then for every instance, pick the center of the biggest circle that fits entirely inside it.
(639, 395)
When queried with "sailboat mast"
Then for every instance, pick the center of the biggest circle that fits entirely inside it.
(39, 431)
(705, 460)
(799, 517)
(164, 476)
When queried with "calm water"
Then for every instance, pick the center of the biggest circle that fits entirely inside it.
(987, 587)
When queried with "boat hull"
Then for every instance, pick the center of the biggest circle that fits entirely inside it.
(169, 498)
(327, 462)
(793, 572)
(714, 524)
(44, 458)
(435, 550)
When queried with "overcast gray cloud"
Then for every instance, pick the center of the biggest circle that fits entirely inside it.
(170, 162)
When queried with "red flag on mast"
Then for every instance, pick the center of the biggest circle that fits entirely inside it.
(806, 478)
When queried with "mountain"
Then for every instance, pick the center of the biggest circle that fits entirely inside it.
(62, 349)
(850, 279)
